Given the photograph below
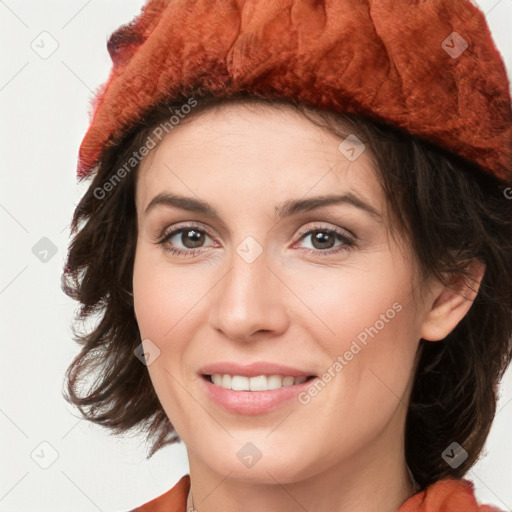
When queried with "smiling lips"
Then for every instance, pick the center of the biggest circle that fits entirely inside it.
(253, 389)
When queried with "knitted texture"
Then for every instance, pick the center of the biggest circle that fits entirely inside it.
(429, 67)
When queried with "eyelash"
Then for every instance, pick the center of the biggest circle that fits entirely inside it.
(348, 243)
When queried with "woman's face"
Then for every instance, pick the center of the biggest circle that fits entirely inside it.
(254, 283)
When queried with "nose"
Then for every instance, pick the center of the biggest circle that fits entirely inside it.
(250, 299)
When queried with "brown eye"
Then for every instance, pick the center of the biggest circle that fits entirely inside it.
(192, 238)
(323, 239)
(184, 241)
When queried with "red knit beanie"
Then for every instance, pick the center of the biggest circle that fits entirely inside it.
(429, 67)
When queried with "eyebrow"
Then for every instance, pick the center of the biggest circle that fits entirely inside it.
(286, 209)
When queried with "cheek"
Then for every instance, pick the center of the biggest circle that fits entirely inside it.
(149, 301)
(376, 355)
(162, 296)
(370, 335)
(161, 305)
(364, 303)
(153, 300)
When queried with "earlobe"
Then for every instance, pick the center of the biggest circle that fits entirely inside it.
(451, 303)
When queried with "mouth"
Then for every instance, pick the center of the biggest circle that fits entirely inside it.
(256, 383)
(254, 394)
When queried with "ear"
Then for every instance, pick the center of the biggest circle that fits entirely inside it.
(450, 303)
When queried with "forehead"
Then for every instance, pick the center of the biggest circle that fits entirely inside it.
(262, 151)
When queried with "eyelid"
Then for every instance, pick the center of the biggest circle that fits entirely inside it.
(182, 226)
(202, 227)
(319, 226)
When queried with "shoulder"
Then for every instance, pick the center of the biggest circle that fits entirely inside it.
(448, 495)
(173, 500)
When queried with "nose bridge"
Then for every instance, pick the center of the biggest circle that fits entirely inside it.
(248, 298)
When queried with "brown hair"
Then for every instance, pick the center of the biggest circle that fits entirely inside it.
(451, 212)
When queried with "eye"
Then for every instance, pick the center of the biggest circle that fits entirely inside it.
(323, 240)
(191, 236)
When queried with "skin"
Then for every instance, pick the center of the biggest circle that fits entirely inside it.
(343, 451)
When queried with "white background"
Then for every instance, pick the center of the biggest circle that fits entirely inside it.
(44, 110)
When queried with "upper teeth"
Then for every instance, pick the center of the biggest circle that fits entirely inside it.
(259, 383)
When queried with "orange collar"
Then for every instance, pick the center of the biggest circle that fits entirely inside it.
(446, 495)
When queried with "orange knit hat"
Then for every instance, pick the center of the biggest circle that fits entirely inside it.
(429, 67)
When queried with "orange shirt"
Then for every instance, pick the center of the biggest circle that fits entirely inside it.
(447, 495)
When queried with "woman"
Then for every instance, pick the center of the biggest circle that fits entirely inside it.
(298, 234)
